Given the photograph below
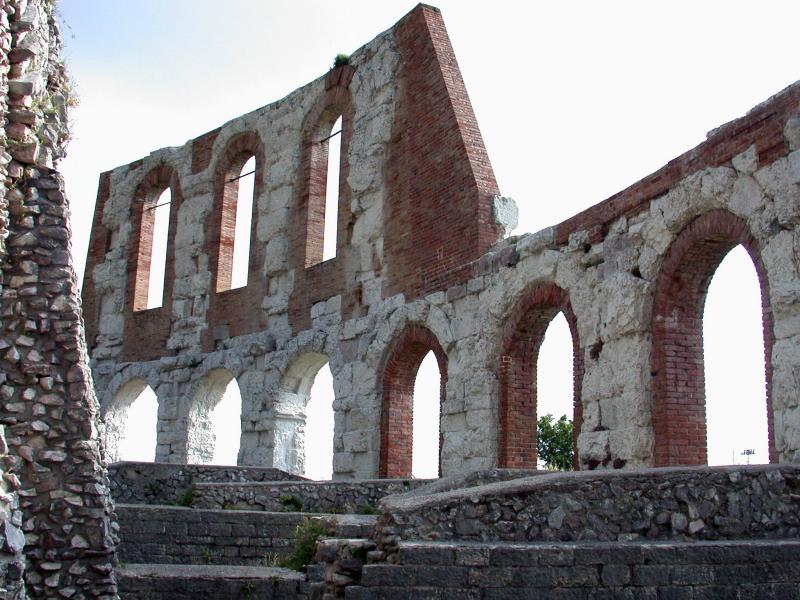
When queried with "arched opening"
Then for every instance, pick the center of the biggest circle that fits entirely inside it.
(397, 411)
(131, 420)
(554, 376)
(303, 434)
(736, 406)
(679, 394)
(426, 416)
(325, 186)
(523, 341)
(236, 220)
(215, 428)
(152, 257)
(332, 190)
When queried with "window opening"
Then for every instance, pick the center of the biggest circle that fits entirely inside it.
(334, 142)
(158, 239)
(244, 218)
(425, 421)
(733, 358)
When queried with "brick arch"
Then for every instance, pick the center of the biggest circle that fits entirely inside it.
(316, 280)
(399, 374)
(679, 412)
(336, 101)
(522, 337)
(225, 313)
(146, 331)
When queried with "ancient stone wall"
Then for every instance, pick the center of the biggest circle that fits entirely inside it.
(630, 274)
(54, 487)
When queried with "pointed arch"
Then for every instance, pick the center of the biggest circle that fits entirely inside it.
(522, 338)
(399, 374)
(678, 379)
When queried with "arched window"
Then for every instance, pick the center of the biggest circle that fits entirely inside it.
(215, 427)
(736, 406)
(152, 255)
(236, 223)
(426, 419)
(398, 415)
(303, 434)
(131, 420)
(679, 394)
(518, 373)
(325, 183)
(554, 374)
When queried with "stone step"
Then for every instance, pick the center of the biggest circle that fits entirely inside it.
(762, 569)
(208, 582)
(179, 535)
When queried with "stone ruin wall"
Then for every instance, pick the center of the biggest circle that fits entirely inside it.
(57, 534)
(421, 265)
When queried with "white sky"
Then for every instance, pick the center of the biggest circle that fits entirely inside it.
(576, 100)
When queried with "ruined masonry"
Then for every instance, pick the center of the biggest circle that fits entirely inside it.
(57, 535)
(422, 265)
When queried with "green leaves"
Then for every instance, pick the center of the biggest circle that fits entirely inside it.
(554, 443)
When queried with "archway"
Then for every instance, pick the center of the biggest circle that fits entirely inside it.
(399, 376)
(679, 400)
(426, 417)
(214, 426)
(131, 420)
(303, 434)
(522, 341)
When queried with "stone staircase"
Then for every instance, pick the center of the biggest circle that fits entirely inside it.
(178, 542)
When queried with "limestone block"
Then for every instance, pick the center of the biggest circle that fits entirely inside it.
(747, 161)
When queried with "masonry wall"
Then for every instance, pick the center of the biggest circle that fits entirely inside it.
(55, 507)
(629, 273)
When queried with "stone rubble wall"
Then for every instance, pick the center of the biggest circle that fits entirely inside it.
(668, 503)
(314, 496)
(54, 487)
(163, 483)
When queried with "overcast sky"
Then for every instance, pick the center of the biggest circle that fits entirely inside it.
(575, 100)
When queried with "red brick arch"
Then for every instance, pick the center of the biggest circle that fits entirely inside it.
(679, 411)
(522, 338)
(146, 331)
(399, 375)
(233, 312)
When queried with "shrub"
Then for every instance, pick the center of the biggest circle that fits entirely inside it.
(306, 535)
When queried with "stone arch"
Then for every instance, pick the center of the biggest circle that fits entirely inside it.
(678, 379)
(522, 337)
(201, 431)
(399, 373)
(116, 412)
(290, 411)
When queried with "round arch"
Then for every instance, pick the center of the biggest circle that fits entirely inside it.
(201, 426)
(678, 379)
(399, 374)
(116, 416)
(522, 338)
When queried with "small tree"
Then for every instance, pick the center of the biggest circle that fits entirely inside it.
(554, 443)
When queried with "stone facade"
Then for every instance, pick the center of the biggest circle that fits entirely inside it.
(421, 266)
(54, 501)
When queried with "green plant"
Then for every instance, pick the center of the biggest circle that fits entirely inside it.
(186, 499)
(207, 555)
(341, 60)
(152, 488)
(291, 503)
(366, 509)
(271, 559)
(554, 443)
(248, 589)
(306, 535)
